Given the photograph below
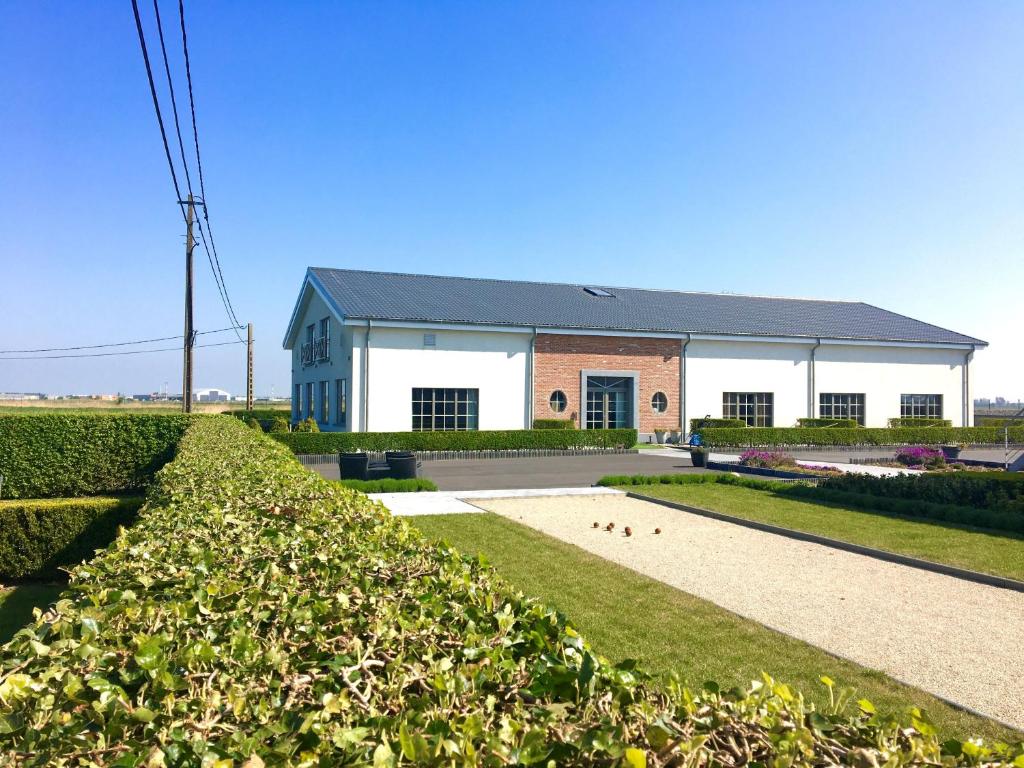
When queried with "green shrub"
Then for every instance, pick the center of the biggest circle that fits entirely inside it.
(252, 423)
(258, 614)
(828, 423)
(554, 424)
(280, 424)
(390, 485)
(917, 421)
(307, 425)
(843, 491)
(699, 425)
(983, 489)
(67, 454)
(38, 536)
(754, 437)
(998, 421)
(512, 439)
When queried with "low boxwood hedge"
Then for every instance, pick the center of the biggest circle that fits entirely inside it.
(264, 416)
(917, 421)
(828, 423)
(835, 490)
(487, 440)
(759, 437)
(390, 485)
(45, 455)
(554, 424)
(259, 615)
(698, 425)
(1003, 491)
(40, 536)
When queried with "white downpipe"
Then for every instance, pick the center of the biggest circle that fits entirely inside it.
(812, 394)
(683, 424)
(366, 377)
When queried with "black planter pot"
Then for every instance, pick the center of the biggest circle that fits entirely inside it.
(699, 458)
(353, 466)
(402, 464)
(951, 452)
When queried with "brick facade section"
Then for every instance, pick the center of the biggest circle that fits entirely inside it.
(559, 359)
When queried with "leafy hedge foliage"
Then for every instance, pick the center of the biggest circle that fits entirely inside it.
(828, 423)
(986, 490)
(554, 424)
(39, 536)
(699, 425)
(66, 454)
(260, 414)
(998, 421)
(260, 615)
(390, 485)
(1000, 519)
(770, 436)
(917, 421)
(511, 439)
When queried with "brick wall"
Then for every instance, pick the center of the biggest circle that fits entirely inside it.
(560, 358)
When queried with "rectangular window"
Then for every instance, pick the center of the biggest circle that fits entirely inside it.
(841, 405)
(297, 405)
(921, 406)
(309, 400)
(755, 408)
(325, 403)
(341, 405)
(310, 331)
(325, 330)
(436, 410)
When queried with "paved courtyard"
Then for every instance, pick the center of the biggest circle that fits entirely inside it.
(541, 472)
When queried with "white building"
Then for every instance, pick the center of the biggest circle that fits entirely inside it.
(210, 395)
(375, 351)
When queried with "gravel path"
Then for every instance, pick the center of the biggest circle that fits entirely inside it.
(956, 639)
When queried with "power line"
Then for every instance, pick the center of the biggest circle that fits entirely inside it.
(113, 344)
(156, 102)
(174, 101)
(129, 352)
(229, 307)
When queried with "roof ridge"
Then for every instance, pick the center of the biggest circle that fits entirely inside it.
(503, 280)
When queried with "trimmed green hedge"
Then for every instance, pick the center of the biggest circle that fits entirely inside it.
(998, 421)
(66, 454)
(39, 536)
(1001, 519)
(1002, 491)
(554, 424)
(828, 423)
(699, 425)
(389, 485)
(488, 440)
(257, 614)
(915, 422)
(755, 437)
(264, 416)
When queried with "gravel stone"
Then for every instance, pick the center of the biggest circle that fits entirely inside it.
(956, 639)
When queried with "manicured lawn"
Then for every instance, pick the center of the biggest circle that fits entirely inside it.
(16, 604)
(626, 615)
(997, 552)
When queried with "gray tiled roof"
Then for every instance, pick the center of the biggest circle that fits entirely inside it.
(396, 296)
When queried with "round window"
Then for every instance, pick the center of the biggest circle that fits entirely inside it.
(659, 402)
(558, 401)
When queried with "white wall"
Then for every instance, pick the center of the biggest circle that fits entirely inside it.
(714, 367)
(885, 373)
(496, 363)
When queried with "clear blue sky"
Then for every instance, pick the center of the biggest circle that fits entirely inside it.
(870, 151)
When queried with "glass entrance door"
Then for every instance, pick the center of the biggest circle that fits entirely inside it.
(609, 402)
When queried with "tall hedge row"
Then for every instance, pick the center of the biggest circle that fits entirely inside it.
(755, 437)
(67, 454)
(485, 440)
(257, 615)
(40, 536)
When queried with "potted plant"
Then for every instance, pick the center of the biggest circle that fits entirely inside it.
(659, 435)
(952, 452)
(699, 456)
(675, 436)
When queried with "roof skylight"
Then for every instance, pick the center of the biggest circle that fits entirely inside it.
(599, 292)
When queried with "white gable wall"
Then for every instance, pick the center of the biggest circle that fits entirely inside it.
(496, 363)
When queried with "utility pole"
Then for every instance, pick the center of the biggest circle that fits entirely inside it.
(248, 377)
(190, 242)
